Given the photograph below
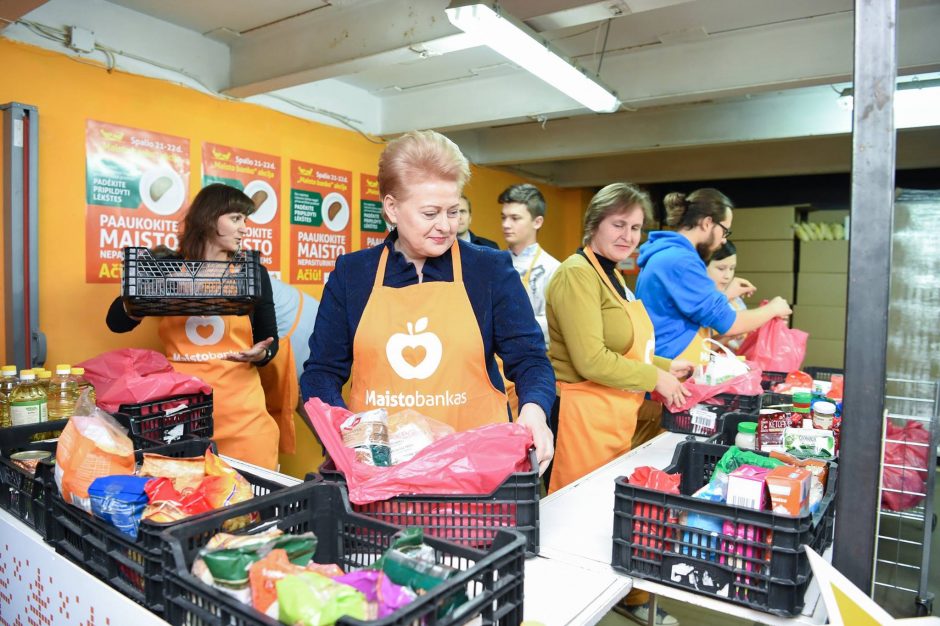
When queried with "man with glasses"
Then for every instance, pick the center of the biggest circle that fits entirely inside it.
(682, 301)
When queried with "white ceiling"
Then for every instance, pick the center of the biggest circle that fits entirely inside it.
(691, 73)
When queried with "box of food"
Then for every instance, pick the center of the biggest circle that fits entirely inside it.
(746, 487)
(788, 487)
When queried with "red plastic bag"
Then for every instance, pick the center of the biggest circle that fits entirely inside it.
(914, 454)
(133, 375)
(650, 521)
(653, 478)
(775, 347)
(472, 462)
(743, 385)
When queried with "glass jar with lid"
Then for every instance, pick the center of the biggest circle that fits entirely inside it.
(746, 439)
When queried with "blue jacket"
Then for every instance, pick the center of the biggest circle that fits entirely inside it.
(678, 294)
(504, 315)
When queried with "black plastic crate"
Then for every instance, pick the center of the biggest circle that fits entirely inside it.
(472, 520)
(768, 379)
(756, 560)
(167, 420)
(171, 286)
(729, 428)
(776, 400)
(135, 568)
(492, 578)
(822, 373)
(694, 421)
(22, 493)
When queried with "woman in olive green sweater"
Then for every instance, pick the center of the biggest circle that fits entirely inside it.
(601, 345)
(601, 340)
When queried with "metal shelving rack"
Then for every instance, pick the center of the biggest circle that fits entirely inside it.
(903, 541)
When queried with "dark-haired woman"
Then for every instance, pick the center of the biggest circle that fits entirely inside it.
(223, 351)
(682, 301)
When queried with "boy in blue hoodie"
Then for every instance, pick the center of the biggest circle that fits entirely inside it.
(682, 301)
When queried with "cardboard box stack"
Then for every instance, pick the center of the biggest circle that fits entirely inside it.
(765, 243)
(822, 284)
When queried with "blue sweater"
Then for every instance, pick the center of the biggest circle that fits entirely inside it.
(678, 293)
(499, 302)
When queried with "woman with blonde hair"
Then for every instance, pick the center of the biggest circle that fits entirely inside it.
(422, 316)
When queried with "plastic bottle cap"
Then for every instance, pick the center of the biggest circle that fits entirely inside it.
(28, 375)
(748, 428)
(78, 371)
(9, 370)
(63, 368)
(802, 397)
(44, 374)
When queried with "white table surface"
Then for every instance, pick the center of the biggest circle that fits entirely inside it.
(577, 528)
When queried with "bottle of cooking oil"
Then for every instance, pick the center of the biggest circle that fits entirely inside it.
(8, 381)
(78, 375)
(63, 391)
(28, 401)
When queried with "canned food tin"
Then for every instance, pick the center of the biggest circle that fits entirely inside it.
(29, 459)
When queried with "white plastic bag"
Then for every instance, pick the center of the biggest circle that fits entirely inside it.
(721, 366)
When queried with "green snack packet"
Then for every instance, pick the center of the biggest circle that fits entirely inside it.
(735, 457)
(229, 565)
(309, 599)
(300, 548)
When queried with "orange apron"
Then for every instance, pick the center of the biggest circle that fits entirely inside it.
(596, 422)
(243, 429)
(419, 347)
(696, 352)
(282, 388)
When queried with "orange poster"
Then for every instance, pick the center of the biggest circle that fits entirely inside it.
(136, 186)
(320, 224)
(371, 223)
(259, 176)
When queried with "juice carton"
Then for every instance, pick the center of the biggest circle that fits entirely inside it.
(789, 490)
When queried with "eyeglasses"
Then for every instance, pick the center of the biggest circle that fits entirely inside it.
(725, 229)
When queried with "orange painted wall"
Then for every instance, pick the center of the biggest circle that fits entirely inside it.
(67, 93)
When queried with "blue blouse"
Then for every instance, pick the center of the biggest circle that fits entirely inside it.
(504, 316)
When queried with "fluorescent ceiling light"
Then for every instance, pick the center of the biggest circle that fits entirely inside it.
(916, 103)
(521, 45)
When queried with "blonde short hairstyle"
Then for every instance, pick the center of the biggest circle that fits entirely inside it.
(417, 156)
(614, 199)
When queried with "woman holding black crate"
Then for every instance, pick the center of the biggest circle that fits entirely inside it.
(222, 350)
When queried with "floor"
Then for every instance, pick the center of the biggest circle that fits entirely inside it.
(687, 614)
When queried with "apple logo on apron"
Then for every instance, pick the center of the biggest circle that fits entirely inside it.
(196, 330)
(414, 356)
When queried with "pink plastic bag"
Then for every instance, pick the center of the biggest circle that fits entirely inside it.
(473, 462)
(743, 385)
(913, 454)
(775, 347)
(132, 375)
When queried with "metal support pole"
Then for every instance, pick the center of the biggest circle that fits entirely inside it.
(25, 343)
(873, 158)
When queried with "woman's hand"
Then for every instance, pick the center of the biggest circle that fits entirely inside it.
(253, 354)
(681, 369)
(740, 287)
(533, 417)
(670, 388)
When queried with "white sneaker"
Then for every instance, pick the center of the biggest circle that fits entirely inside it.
(640, 614)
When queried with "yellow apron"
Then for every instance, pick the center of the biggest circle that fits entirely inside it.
(511, 386)
(419, 347)
(282, 388)
(243, 429)
(596, 422)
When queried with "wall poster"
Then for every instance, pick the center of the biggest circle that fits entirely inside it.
(259, 176)
(136, 187)
(371, 223)
(320, 220)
